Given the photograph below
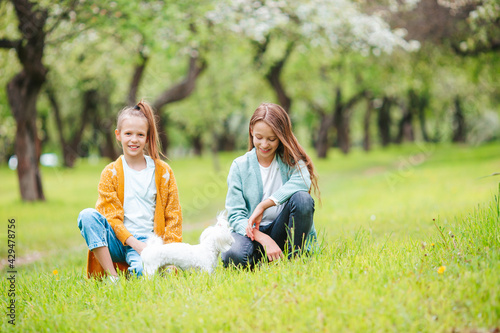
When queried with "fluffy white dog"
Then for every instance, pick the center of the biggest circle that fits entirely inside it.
(204, 256)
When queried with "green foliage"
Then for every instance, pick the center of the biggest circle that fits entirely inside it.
(224, 99)
(386, 224)
(96, 45)
(8, 67)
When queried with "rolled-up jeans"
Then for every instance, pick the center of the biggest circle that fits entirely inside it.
(297, 215)
(97, 232)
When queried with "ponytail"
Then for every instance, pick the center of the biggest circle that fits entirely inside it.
(144, 110)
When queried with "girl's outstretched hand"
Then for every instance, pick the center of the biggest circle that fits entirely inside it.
(256, 217)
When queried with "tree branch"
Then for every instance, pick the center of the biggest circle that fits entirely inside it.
(260, 49)
(68, 36)
(273, 76)
(354, 99)
(51, 95)
(32, 19)
(185, 87)
(317, 109)
(136, 78)
(62, 16)
(9, 44)
(278, 65)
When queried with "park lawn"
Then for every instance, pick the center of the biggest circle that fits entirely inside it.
(386, 259)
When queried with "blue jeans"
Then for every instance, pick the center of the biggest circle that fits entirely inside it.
(97, 232)
(293, 223)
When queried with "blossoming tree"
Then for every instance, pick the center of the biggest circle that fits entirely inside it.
(329, 27)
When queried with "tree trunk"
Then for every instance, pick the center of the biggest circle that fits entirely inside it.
(72, 149)
(107, 125)
(57, 115)
(178, 92)
(366, 124)
(108, 148)
(322, 140)
(215, 152)
(44, 136)
(341, 123)
(197, 144)
(273, 76)
(88, 115)
(384, 121)
(339, 118)
(162, 132)
(22, 93)
(136, 79)
(405, 131)
(226, 142)
(418, 104)
(342, 119)
(459, 134)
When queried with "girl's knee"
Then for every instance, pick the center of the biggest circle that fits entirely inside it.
(235, 258)
(303, 201)
(87, 217)
(87, 212)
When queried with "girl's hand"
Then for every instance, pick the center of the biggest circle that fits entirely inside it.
(256, 217)
(273, 251)
(135, 244)
(140, 246)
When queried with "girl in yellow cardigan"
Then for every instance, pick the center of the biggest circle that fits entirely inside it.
(138, 197)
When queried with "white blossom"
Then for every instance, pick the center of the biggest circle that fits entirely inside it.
(326, 23)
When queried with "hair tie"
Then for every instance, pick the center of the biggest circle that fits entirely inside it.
(137, 107)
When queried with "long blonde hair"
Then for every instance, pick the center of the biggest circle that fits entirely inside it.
(144, 110)
(289, 149)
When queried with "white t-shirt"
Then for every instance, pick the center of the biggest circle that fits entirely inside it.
(139, 198)
(271, 182)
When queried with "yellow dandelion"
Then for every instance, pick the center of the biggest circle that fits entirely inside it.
(432, 244)
(441, 269)
(55, 272)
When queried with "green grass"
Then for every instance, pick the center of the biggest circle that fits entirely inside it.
(384, 222)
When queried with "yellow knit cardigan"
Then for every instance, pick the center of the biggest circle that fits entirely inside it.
(168, 215)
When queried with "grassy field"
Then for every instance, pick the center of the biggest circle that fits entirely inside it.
(409, 242)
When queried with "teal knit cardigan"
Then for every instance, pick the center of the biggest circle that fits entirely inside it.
(245, 189)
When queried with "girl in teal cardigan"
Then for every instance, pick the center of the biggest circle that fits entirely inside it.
(268, 200)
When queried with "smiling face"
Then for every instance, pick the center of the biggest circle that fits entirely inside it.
(133, 136)
(265, 141)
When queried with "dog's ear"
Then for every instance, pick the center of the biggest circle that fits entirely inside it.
(222, 219)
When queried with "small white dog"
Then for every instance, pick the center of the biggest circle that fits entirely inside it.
(204, 256)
